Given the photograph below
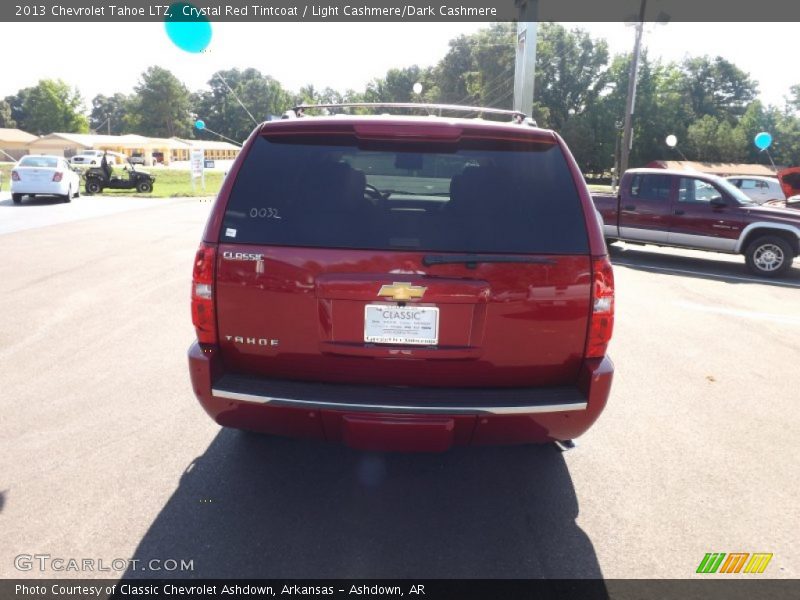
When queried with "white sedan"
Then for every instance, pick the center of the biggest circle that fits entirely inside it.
(40, 175)
(758, 188)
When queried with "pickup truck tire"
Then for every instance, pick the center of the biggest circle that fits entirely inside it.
(769, 256)
(16, 198)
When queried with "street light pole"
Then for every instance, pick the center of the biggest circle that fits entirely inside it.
(525, 64)
(627, 137)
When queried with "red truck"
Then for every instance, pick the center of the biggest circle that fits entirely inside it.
(689, 209)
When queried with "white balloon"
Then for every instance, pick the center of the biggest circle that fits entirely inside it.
(417, 88)
(672, 141)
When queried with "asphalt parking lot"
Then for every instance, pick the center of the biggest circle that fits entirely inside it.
(106, 453)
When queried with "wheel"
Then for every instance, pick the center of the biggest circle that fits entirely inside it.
(93, 187)
(77, 193)
(68, 196)
(769, 256)
(16, 198)
(144, 187)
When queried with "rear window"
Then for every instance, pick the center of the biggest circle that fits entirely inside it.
(504, 197)
(651, 187)
(38, 161)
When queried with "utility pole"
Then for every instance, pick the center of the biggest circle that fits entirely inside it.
(108, 122)
(627, 134)
(525, 65)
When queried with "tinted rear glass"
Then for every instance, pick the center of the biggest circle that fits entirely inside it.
(38, 161)
(502, 197)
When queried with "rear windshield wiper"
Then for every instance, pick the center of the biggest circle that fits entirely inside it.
(388, 193)
(471, 260)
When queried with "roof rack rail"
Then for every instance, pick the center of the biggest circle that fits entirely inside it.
(516, 116)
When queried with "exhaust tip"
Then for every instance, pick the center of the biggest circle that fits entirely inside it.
(564, 445)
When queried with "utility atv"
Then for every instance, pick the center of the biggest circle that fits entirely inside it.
(99, 178)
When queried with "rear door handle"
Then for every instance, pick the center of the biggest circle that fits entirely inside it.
(680, 212)
(629, 207)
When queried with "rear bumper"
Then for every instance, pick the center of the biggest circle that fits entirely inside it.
(397, 418)
(45, 188)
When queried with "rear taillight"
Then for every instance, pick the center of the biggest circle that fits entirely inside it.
(57, 176)
(14, 176)
(203, 317)
(601, 321)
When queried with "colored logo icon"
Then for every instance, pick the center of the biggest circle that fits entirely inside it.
(735, 562)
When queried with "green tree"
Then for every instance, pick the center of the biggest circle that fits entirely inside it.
(452, 72)
(16, 103)
(786, 149)
(260, 94)
(52, 105)
(571, 72)
(793, 100)
(717, 87)
(5, 115)
(396, 86)
(755, 119)
(110, 114)
(703, 140)
(161, 105)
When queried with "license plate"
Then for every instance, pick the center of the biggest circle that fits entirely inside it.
(386, 324)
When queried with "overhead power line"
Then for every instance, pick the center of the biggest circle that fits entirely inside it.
(249, 114)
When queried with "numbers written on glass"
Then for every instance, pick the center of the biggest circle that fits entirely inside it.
(264, 213)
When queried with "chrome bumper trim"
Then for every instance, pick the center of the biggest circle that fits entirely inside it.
(383, 408)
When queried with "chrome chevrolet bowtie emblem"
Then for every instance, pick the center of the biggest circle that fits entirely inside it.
(399, 291)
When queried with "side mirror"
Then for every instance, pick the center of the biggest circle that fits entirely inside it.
(718, 202)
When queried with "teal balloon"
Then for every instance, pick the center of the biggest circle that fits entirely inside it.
(200, 124)
(187, 28)
(762, 140)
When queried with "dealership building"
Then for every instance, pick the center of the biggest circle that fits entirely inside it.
(151, 150)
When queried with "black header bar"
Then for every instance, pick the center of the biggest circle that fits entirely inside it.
(396, 10)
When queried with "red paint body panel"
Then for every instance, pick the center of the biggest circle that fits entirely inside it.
(517, 324)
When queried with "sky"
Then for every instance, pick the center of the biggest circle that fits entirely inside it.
(109, 57)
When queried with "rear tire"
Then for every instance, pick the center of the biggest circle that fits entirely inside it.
(68, 197)
(16, 198)
(769, 256)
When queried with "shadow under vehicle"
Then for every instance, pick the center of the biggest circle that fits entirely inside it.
(99, 178)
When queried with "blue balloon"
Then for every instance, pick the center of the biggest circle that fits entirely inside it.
(200, 124)
(762, 140)
(188, 29)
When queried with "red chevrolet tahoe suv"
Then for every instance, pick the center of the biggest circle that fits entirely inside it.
(403, 283)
